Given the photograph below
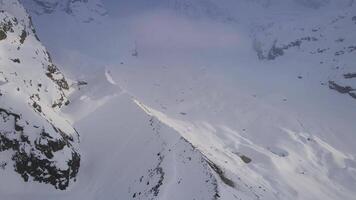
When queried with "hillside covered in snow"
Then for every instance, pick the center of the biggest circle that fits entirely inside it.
(178, 99)
(37, 144)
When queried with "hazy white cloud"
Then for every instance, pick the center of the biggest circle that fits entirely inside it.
(164, 30)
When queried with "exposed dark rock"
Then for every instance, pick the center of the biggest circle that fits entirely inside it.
(339, 53)
(7, 25)
(23, 36)
(158, 171)
(37, 163)
(351, 48)
(57, 77)
(33, 29)
(342, 89)
(16, 60)
(51, 146)
(321, 50)
(245, 159)
(221, 173)
(354, 19)
(352, 94)
(275, 52)
(3, 35)
(82, 83)
(43, 170)
(37, 107)
(339, 88)
(350, 75)
(53, 70)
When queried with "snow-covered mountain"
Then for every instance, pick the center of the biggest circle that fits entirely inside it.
(37, 144)
(184, 99)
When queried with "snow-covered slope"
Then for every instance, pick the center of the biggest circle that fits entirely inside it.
(267, 140)
(130, 155)
(205, 99)
(323, 40)
(37, 144)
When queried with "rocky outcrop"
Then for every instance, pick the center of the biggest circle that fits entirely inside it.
(343, 89)
(39, 144)
(33, 150)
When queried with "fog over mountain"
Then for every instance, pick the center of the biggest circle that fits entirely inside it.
(178, 99)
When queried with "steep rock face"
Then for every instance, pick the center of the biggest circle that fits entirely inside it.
(35, 140)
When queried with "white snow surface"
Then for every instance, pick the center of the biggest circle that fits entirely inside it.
(205, 91)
